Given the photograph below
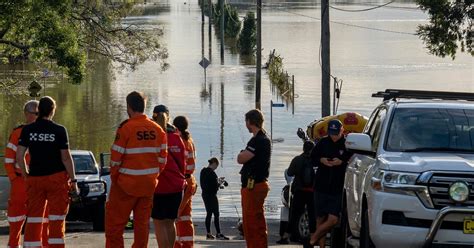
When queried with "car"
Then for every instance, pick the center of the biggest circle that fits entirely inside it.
(410, 182)
(89, 206)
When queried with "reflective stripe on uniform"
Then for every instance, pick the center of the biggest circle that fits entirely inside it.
(57, 217)
(115, 163)
(9, 160)
(184, 218)
(164, 146)
(185, 238)
(118, 149)
(190, 167)
(36, 220)
(162, 160)
(142, 150)
(9, 246)
(56, 241)
(11, 146)
(32, 244)
(191, 155)
(16, 218)
(139, 172)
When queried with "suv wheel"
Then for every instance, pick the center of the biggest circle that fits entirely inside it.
(98, 220)
(365, 241)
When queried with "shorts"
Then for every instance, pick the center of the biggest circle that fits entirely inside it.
(326, 203)
(166, 206)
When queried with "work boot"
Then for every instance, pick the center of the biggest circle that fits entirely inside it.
(210, 237)
(221, 236)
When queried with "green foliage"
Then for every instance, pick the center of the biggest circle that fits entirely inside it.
(66, 31)
(248, 38)
(450, 26)
(276, 73)
(232, 24)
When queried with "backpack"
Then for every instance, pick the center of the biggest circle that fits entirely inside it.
(307, 174)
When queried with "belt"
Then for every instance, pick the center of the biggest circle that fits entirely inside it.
(187, 176)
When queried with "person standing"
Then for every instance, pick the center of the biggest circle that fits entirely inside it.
(254, 177)
(169, 192)
(137, 157)
(184, 223)
(331, 156)
(49, 176)
(210, 184)
(17, 201)
(301, 167)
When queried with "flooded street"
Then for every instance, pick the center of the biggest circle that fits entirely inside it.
(370, 51)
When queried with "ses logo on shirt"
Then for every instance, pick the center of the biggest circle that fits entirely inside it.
(48, 137)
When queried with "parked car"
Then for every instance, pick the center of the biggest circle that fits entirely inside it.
(410, 182)
(90, 205)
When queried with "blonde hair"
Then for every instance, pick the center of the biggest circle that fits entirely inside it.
(161, 118)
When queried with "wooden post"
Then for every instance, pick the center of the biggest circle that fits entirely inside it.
(258, 83)
(325, 59)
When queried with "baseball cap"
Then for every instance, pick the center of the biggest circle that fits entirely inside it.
(334, 127)
(213, 160)
(161, 109)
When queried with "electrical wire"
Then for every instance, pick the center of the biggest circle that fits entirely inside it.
(361, 10)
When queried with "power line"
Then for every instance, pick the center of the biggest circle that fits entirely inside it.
(360, 10)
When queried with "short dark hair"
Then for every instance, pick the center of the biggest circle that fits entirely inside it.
(46, 106)
(255, 117)
(308, 146)
(136, 101)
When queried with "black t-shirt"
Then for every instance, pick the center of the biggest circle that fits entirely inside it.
(330, 179)
(208, 180)
(259, 166)
(44, 140)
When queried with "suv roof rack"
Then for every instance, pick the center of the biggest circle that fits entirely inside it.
(389, 94)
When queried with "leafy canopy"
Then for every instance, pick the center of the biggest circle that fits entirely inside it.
(65, 31)
(450, 26)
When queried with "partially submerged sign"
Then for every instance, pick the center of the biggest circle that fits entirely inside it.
(204, 63)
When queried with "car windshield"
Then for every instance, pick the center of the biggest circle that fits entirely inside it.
(421, 129)
(84, 164)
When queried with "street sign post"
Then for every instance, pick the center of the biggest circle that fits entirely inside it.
(273, 105)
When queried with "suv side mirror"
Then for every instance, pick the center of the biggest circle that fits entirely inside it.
(104, 171)
(359, 142)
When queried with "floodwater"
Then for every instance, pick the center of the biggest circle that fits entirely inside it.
(365, 54)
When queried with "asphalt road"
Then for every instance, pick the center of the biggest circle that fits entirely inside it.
(81, 235)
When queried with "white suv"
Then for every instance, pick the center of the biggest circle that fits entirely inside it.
(410, 182)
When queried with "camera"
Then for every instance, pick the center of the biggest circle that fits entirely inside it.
(223, 183)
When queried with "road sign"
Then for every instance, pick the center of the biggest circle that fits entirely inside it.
(276, 105)
(45, 72)
(204, 63)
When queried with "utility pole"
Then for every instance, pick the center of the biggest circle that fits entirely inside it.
(325, 59)
(202, 10)
(222, 30)
(258, 83)
(210, 29)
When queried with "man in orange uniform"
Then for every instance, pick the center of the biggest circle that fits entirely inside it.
(254, 175)
(137, 156)
(17, 201)
(184, 223)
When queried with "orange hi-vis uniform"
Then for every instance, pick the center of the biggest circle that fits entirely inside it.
(137, 157)
(17, 202)
(184, 223)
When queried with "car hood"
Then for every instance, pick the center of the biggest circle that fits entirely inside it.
(420, 162)
(87, 177)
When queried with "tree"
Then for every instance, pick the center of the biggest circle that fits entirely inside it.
(66, 31)
(450, 26)
(247, 38)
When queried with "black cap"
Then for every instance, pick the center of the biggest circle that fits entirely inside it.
(161, 109)
(213, 160)
(334, 127)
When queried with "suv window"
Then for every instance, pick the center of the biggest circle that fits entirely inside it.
(421, 129)
(374, 131)
(84, 164)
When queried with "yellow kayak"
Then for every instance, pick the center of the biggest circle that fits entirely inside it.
(352, 123)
